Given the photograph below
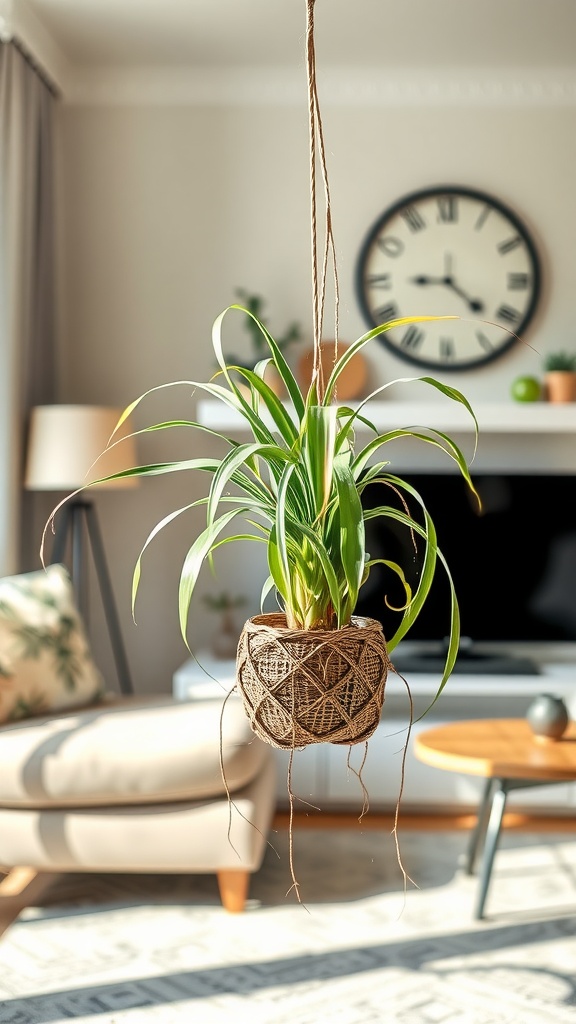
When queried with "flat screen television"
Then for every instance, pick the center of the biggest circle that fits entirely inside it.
(513, 563)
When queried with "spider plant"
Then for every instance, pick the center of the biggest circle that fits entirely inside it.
(255, 305)
(564, 362)
(297, 486)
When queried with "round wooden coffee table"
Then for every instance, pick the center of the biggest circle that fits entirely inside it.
(509, 756)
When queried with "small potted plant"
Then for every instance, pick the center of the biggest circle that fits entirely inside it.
(225, 640)
(560, 376)
(255, 305)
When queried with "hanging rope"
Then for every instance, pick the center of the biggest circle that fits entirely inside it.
(319, 277)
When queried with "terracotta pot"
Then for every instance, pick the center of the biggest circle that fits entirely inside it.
(560, 385)
(312, 686)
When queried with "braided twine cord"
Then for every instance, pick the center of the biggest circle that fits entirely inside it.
(302, 687)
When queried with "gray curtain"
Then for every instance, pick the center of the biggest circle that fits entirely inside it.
(27, 287)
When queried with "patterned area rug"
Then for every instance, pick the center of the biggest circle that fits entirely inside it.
(149, 949)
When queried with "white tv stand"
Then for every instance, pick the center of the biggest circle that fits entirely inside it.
(320, 774)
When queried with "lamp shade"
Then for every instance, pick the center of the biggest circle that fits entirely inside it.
(65, 444)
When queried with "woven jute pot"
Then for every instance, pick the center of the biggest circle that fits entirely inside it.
(312, 686)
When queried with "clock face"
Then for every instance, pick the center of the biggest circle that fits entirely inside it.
(449, 251)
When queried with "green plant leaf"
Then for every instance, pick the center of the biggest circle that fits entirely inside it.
(267, 588)
(351, 534)
(449, 447)
(431, 553)
(137, 573)
(318, 445)
(194, 560)
(360, 343)
(280, 527)
(397, 569)
(232, 462)
(331, 579)
(445, 389)
(280, 363)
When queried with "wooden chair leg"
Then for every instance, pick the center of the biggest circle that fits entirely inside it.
(16, 880)
(18, 889)
(233, 887)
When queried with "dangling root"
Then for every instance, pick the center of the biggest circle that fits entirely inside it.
(358, 773)
(231, 803)
(406, 877)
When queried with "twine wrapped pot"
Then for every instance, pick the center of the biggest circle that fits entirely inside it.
(312, 686)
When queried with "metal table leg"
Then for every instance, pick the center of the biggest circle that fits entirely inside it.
(479, 832)
(500, 788)
(498, 806)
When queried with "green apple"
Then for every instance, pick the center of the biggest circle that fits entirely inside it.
(526, 389)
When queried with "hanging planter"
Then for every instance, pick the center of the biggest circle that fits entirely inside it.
(302, 686)
(312, 673)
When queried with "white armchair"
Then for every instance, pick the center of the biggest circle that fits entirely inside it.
(133, 784)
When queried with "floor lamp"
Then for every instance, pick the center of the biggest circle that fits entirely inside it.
(64, 446)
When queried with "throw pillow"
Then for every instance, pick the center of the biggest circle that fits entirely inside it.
(45, 660)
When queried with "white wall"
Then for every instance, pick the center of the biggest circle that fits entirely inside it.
(164, 211)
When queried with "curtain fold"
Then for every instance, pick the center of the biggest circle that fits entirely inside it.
(27, 281)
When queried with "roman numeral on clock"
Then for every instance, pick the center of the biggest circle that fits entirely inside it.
(508, 314)
(509, 244)
(390, 245)
(447, 209)
(379, 280)
(517, 281)
(447, 351)
(486, 211)
(413, 218)
(484, 342)
(386, 313)
(413, 338)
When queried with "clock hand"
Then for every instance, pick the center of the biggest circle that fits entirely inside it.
(475, 305)
(431, 279)
(427, 279)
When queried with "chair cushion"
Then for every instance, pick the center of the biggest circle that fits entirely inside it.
(45, 661)
(132, 751)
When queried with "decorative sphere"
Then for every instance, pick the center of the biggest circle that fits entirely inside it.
(526, 389)
(548, 716)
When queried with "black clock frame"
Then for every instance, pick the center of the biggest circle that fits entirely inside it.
(426, 193)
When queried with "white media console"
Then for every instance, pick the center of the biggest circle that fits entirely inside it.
(320, 774)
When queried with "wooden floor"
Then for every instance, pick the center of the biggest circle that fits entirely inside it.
(423, 822)
(20, 887)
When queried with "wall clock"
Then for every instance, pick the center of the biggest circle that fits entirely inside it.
(444, 251)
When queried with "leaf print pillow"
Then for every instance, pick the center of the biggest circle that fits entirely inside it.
(45, 661)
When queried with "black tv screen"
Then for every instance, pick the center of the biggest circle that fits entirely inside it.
(513, 563)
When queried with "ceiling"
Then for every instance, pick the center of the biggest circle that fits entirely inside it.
(502, 34)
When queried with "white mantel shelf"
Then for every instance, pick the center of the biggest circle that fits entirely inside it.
(493, 417)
